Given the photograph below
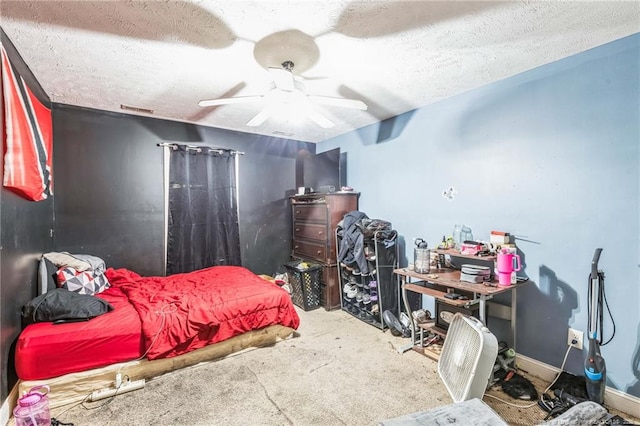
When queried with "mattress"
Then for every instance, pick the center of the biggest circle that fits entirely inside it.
(45, 350)
(155, 317)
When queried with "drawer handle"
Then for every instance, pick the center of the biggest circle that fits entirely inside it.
(319, 251)
(297, 247)
(297, 229)
(320, 232)
(297, 211)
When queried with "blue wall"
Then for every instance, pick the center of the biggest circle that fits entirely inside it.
(551, 155)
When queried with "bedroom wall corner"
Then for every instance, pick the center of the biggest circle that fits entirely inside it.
(25, 233)
(551, 155)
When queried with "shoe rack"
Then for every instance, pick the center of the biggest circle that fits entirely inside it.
(367, 295)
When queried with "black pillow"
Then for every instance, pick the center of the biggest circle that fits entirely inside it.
(60, 305)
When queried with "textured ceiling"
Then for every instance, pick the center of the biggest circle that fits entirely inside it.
(166, 56)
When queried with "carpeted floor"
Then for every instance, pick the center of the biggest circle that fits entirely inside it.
(338, 371)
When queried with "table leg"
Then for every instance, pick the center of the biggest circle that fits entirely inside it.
(400, 281)
(483, 309)
(409, 346)
(513, 318)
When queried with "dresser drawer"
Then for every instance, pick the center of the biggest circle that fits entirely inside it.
(310, 231)
(316, 213)
(310, 250)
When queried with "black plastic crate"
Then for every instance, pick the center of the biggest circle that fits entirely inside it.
(305, 284)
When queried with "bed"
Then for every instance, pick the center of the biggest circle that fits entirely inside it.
(158, 324)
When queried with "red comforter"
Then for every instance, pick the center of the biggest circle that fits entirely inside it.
(183, 312)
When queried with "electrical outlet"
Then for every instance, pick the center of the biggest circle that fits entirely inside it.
(576, 335)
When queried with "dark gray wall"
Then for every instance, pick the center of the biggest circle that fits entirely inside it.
(24, 235)
(109, 194)
(109, 188)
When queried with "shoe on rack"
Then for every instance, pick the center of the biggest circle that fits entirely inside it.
(373, 284)
(353, 291)
(374, 296)
(375, 309)
(356, 271)
(369, 254)
(345, 266)
(359, 296)
(366, 299)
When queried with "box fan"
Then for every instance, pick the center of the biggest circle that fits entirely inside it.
(467, 358)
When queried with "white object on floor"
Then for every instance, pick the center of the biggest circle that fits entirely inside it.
(460, 413)
(585, 413)
(123, 388)
(468, 355)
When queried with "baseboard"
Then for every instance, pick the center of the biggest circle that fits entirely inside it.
(613, 398)
(8, 404)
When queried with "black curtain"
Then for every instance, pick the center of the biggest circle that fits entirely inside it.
(203, 226)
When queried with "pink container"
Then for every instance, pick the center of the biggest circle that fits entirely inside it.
(504, 278)
(33, 408)
(505, 267)
(505, 262)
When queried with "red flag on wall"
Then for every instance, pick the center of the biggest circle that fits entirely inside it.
(27, 137)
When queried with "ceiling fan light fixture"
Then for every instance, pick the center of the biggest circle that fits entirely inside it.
(283, 79)
(293, 112)
(288, 101)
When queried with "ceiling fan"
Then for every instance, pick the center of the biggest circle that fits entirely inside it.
(288, 90)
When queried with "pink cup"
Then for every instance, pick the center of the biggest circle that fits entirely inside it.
(505, 262)
(504, 278)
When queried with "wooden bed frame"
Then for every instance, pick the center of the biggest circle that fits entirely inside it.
(75, 387)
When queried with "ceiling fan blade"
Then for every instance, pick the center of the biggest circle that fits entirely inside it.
(339, 102)
(321, 120)
(260, 117)
(283, 79)
(227, 101)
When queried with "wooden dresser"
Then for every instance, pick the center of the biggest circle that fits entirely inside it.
(315, 218)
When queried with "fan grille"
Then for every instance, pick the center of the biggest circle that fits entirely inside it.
(467, 357)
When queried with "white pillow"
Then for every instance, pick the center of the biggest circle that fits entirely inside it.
(66, 259)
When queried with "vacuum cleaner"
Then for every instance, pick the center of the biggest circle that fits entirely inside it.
(595, 369)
